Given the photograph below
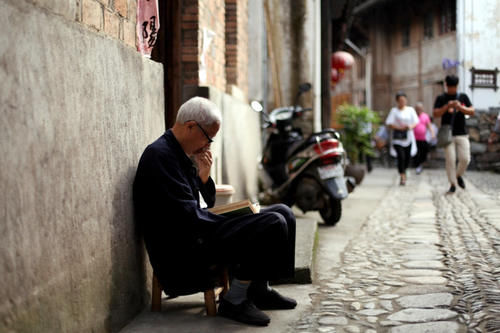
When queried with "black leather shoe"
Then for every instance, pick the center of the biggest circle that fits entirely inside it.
(461, 182)
(245, 312)
(272, 300)
(451, 190)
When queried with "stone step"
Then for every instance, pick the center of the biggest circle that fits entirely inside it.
(304, 251)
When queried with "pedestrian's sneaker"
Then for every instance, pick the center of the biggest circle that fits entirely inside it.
(451, 190)
(245, 312)
(461, 182)
(419, 170)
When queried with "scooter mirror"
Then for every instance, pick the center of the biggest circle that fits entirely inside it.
(256, 106)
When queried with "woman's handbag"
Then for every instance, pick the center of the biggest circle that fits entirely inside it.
(399, 135)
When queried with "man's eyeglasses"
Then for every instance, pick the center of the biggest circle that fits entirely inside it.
(205, 133)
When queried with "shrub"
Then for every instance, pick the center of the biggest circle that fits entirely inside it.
(357, 127)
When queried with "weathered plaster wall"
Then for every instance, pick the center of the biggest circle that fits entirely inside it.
(405, 64)
(478, 38)
(434, 51)
(77, 109)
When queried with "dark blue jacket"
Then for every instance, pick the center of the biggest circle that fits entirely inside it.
(167, 211)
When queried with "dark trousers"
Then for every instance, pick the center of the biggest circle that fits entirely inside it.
(259, 246)
(403, 155)
(423, 149)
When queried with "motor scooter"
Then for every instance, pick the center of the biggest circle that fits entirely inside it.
(308, 172)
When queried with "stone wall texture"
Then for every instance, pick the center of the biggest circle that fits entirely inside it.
(484, 156)
(78, 108)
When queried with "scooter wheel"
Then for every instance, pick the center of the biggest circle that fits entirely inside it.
(332, 212)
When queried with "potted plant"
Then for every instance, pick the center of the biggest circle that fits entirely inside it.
(356, 134)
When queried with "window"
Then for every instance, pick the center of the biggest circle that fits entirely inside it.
(405, 35)
(484, 78)
(447, 16)
(428, 26)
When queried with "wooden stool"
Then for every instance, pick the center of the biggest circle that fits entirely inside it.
(210, 294)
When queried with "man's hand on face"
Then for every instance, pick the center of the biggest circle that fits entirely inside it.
(204, 162)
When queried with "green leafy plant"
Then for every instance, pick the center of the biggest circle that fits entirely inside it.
(357, 129)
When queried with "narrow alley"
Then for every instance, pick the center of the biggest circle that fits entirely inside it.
(402, 259)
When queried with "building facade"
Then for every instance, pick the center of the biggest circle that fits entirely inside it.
(413, 45)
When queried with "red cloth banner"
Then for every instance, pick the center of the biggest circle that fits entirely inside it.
(148, 24)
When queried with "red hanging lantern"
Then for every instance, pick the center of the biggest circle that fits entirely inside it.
(336, 75)
(342, 60)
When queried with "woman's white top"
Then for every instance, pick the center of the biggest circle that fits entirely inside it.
(405, 117)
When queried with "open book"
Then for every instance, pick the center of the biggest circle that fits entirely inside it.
(236, 208)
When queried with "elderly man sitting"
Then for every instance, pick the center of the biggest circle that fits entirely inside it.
(183, 240)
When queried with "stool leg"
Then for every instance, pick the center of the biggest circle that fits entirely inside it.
(225, 282)
(156, 295)
(210, 302)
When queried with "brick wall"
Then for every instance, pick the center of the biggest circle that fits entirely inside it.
(242, 80)
(115, 18)
(225, 58)
(237, 44)
(212, 21)
(190, 45)
(203, 43)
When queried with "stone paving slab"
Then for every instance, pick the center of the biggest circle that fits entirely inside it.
(434, 327)
(426, 301)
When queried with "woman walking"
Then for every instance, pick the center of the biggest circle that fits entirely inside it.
(420, 131)
(402, 119)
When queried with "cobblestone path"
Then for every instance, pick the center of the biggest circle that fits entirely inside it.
(423, 262)
(487, 182)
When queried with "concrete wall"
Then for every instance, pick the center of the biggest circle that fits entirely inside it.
(78, 108)
(478, 38)
(241, 147)
(257, 59)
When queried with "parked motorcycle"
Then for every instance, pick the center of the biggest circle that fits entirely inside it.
(308, 172)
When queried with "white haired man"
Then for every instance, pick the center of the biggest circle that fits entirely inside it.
(184, 240)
